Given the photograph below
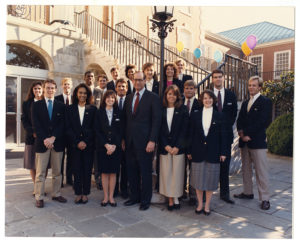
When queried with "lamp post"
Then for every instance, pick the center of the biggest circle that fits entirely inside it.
(161, 14)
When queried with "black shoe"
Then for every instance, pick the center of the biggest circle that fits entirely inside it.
(124, 195)
(144, 207)
(243, 196)
(228, 200)
(198, 211)
(78, 201)
(265, 205)
(104, 204)
(112, 204)
(192, 201)
(130, 202)
(177, 206)
(206, 213)
(170, 208)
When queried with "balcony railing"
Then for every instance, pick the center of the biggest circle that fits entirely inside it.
(36, 13)
(273, 75)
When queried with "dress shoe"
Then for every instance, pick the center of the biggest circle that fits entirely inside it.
(144, 207)
(228, 200)
(78, 201)
(170, 207)
(206, 213)
(243, 196)
(177, 206)
(104, 204)
(112, 204)
(130, 202)
(85, 201)
(265, 205)
(39, 203)
(60, 199)
(198, 211)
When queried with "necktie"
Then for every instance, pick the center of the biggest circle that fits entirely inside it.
(121, 103)
(67, 100)
(136, 103)
(250, 104)
(188, 105)
(219, 102)
(50, 108)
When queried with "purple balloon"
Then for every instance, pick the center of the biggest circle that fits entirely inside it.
(251, 41)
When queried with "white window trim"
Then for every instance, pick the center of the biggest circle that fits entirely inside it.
(262, 60)
(278, 52)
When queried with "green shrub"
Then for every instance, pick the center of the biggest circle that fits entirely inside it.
(280, 135)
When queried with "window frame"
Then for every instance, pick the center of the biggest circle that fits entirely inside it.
(275, 61)
(262, 61)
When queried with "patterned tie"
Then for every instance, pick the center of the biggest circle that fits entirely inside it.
(219, 102)
(136, 103)
(121, 103)
(50, 108)
(67, 101)
(188, 105)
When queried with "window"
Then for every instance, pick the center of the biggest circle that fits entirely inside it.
(258, 60)
(282, 62)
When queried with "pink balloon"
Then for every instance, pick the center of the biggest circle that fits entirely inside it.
(251, 41)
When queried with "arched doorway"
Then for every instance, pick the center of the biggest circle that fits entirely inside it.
(24, 66)
(97, 69)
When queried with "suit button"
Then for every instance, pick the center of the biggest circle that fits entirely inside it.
(81, 135)
(109, 139)
(204, 143)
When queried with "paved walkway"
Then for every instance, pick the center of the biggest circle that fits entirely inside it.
(243, 220)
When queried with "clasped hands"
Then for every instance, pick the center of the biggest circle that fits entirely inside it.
(49, 142)
(149, 148)
(243, 137)
(110, 148)
(172, 150)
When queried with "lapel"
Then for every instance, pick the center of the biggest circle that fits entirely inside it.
(45, 110)
(142, 101)
(75, 110)
(85, 116)
(212, 121)
(129, 104)
(174, 119)
(155, 86)
(254, 104)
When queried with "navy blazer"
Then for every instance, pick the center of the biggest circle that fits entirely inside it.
(77, 132)
(129, 91)
(195, 105)
(185, 77)
(155, 87)
(144, 126)
(177, 136)
(176, 82)
(45, 128)
(255, 122)
(105, 133)
(207, 148)
(26, 121)
(229, 111)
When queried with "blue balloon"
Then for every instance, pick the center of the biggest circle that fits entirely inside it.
(197, 53)
(218, 56)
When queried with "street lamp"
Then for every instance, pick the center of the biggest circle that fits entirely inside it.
(161, 14)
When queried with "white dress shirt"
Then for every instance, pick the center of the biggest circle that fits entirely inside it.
(149, 85)
(109, 114)
(170, 113)
(191, 103)
(206, 119)
(252, 100)
(180, 76)
(47, 99)
(65, 98)
(141, 92)
(222, 91)
(118, 99)
(81, 110)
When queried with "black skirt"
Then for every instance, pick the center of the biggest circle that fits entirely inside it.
(109, 164)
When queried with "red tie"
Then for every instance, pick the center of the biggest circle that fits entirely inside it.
(67, 100)
(136, 103)
(219, 102)
(188, 105)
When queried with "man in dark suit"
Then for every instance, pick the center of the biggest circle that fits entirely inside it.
(181, 68)
(129, 72)
(192, 104)
(66, 98)
(142, 111)
(115, 76)
(254, 118)
(227, 104)
(89, 79)
(48, 121)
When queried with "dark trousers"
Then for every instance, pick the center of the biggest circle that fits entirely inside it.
(67, 155)
(224, 177)
(122, 181)
(139, 172)
(82, 170)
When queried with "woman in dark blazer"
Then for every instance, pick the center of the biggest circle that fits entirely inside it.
(151, 78)
(35, 93)
(80, 118)
(109, 136)
(207, 148)
(171, 77)
(172, 140)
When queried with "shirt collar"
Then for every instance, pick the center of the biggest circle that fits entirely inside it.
(141, 92)
(150, 81)
(256, 96)
(222, 90)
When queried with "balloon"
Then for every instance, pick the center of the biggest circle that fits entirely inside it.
(197, 53)
(218, 56)
(251, 41)
(179, 46)
(246, 50)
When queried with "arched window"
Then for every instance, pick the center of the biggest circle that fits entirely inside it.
(20, 55)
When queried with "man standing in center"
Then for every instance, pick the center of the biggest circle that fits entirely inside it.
(142, 111)
(227, 104)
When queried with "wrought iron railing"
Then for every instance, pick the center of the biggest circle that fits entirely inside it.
(123, 48)
(36, 13)
(237, 72)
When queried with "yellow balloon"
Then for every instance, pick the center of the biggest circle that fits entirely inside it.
(179, 46)
(246, 50)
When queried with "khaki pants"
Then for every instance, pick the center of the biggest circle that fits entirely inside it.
(258, 158)
(41, 161)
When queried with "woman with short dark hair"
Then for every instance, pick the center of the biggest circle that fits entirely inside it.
(170, 76)
(207, 148)
(80, 117)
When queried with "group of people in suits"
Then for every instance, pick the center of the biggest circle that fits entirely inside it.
(115, 130)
